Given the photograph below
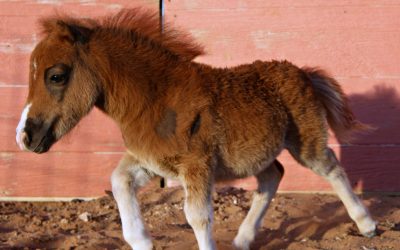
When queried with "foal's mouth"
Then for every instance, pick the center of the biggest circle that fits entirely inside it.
(45, 143)
(41, 147)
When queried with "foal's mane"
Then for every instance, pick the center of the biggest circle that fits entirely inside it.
(143, 23)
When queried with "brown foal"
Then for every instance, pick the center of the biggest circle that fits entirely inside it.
(184, 120)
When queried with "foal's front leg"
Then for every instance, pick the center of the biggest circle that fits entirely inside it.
(197, 183)
(125, 180)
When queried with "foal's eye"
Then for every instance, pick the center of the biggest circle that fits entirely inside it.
(57, 75)
(58, 78)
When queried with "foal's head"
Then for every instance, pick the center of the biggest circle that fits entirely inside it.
(70, 65)
(61, 87)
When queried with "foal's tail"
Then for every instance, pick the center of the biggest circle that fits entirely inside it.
(339, 115)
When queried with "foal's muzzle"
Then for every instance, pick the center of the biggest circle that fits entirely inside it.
(37, 136)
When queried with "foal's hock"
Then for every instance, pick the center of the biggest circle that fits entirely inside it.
(184, 120)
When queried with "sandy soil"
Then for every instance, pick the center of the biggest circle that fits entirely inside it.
(294, 221)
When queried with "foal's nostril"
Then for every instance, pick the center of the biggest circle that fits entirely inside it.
(26, 138)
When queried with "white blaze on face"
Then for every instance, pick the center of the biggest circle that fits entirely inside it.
(20, 128)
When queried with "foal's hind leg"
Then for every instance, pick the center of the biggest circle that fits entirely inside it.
(126, 179)
(327, 165)
(268, 181)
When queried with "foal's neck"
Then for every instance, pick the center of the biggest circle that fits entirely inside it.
(135, 77)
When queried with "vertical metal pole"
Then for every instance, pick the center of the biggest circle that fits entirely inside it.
(161, 12)
(161, 22)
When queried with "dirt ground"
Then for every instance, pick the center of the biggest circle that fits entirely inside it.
(294, 221)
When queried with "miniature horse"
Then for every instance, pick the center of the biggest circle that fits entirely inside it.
(184, 120)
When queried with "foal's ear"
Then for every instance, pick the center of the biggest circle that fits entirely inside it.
(69, 30)
(79, 34)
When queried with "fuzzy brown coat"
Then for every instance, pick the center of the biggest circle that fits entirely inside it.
(181, 119)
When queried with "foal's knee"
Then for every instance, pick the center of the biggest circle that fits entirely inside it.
(325, 164)
(119, 180)
(120, 177)
(198, 215)
(129, 174)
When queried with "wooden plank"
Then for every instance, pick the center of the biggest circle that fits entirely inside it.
(23, 16)
(79, 165)
(55, 174)
(19, 31)
(347, 39)
(79, 7)
(190, 5)
(61, 174)
(370, 168)
(16, 66)
(357, 41)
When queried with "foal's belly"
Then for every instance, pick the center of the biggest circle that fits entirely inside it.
(253, 138)
(245, 163)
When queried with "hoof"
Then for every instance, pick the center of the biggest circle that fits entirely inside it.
(369, 234)
(241, 244)
(368, 228)
(142, 245)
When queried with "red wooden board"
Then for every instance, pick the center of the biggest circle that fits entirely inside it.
(57, 174)
(81, 164)
(369, 167)
(357, 41)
